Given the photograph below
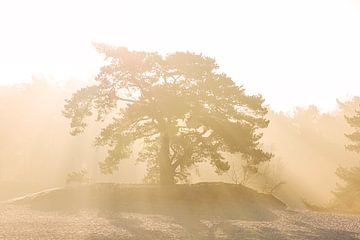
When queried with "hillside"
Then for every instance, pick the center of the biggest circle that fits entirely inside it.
(140, 212)
(218, 199)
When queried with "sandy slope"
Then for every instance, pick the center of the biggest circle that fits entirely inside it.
(19, 222)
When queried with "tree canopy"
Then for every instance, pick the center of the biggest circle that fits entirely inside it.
(180, 106)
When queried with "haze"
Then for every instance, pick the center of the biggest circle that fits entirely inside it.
(142, 119)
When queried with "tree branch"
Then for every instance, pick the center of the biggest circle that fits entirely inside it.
(174, 153)
(128, 100)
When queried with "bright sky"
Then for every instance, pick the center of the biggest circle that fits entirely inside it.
(292, 52)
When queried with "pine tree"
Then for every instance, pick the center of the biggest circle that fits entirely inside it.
(182, 108)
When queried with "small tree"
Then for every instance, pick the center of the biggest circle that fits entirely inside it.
(266, 176)
(348, 193)
(80, 177)
(183, 109)
(270, 177)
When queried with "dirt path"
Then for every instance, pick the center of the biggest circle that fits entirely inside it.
(17, 222)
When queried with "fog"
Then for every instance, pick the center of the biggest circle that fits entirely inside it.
(38, 152)
(138, 119)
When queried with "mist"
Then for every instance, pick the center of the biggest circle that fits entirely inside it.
(38, 152)
(180, 120)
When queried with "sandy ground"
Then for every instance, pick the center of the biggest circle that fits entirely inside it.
(19, 222)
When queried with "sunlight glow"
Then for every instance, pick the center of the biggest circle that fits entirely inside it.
(292, 52)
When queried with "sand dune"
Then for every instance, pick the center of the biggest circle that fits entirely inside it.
(19, 222)
(255, 216)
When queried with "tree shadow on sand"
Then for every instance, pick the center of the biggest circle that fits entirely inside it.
(211, 226)
(180, 220)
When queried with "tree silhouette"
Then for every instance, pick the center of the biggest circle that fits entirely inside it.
(181, 107)
(348, 193)
(354, 122)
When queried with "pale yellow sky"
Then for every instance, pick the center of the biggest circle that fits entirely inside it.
(292, 52)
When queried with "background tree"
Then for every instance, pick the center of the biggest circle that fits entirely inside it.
(354, 122)
(182, 108)
(348, 194)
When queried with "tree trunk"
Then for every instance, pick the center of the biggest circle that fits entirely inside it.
(166, 171)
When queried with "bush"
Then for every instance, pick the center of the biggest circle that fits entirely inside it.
(80, 177)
